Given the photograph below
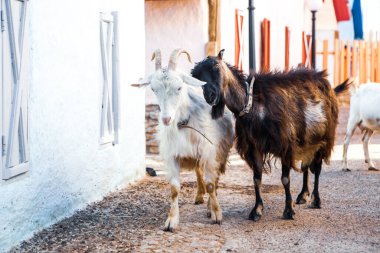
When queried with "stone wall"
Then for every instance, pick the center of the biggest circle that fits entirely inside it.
(151, 123)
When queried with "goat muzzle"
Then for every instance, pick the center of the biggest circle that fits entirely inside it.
(166, 120)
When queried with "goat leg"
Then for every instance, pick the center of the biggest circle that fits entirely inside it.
(209, 199)
(304, 194)
(285, 179)
(173, 217)
(366, 139)
(211, 184)
(255, 160)
(350, 131)
(257, 210)
(200, 186)
(316, 167)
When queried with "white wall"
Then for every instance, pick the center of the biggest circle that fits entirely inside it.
(69, 169)
(175, 24)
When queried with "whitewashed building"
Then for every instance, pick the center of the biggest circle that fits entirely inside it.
(72, 129)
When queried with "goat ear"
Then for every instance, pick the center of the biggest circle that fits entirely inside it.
(217, 111)
(142, 82)
(220, 54)
(192, 81)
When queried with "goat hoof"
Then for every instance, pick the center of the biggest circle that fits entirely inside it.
(288, 213)
(302, 198)
(346, 170)
(254, 215)
(199, 200)
(169, 229)
(171, 224)
(315, 202)
(208, 214)
(219, 222)
(373, 169)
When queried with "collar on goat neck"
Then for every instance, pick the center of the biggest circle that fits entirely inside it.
(183, 122)
(248, 104)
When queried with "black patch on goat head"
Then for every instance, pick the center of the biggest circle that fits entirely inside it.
(208, 71)
(217, 110)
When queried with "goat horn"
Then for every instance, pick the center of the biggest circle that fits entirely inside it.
(157, 55)
(174, 57)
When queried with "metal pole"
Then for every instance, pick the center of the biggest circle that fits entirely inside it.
(252, 53)
(313, 39)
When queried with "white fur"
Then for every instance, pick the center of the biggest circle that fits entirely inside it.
(365, 113)
(314, 114)
(261, 111)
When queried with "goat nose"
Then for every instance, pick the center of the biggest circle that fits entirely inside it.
(166, 120)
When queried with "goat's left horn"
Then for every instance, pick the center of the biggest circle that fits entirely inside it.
(174, 58)
(157, 55)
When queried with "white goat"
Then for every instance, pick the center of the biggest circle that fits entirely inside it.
(365, 114)
(205, 149)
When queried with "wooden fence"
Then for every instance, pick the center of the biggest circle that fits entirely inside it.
(352, 59)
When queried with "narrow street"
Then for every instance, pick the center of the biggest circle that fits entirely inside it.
(131, 220)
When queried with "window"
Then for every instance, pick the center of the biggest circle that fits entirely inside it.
(15, 86)
(109, 119)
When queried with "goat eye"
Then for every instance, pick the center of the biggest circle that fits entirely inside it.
(179, 88)
(154, 90)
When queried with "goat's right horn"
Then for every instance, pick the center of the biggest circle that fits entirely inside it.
(174, 58)
(157, 55)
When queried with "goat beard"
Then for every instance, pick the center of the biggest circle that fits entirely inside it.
(217, 111)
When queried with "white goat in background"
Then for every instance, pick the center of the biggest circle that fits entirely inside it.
(365, 114)
(205, 149)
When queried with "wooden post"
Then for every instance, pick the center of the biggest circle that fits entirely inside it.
(287, 38)
(341, 62)
(336, 62)
(303, 49)
(268, 46)
(265, 45)
(372, 67)
(306, 50)
(348, 60)
(361, 62)
(212, 46)
(378, 62)
(365, 66)
(239, 34)
(354, 58)
(325, 54)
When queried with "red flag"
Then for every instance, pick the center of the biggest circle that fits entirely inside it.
(342, 12)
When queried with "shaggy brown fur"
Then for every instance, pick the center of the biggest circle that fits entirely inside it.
(293, 117)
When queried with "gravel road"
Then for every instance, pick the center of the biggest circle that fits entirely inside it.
(131, 220)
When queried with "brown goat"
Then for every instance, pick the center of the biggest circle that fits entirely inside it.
(293, 117)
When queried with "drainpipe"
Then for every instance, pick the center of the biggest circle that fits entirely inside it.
(252, 53)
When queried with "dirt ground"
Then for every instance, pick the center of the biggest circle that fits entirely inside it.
(131, 220)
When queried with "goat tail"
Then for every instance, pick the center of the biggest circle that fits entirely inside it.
(343, 87)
